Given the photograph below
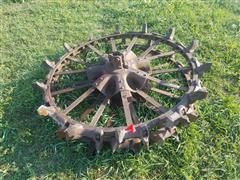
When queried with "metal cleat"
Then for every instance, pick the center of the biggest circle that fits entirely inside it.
(170, 34)
(67, 47)
(145, 28)
(191, 48)
(49, 64)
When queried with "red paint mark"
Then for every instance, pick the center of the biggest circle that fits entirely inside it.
(131, 128)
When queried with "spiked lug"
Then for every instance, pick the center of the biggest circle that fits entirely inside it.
(191, 48)
(107, 74)
(191, 113)
(170, 34)
(67, 47)
(162, 134)
(40, 85)
(114, 145)
(184, 120)
(120, 135)
(145, 28)
(145, 142)
(61, 134)
(203, 68)
(199, 94)
(49, 64)
(117, 29)
(91, 37)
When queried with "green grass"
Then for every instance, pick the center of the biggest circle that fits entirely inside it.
(33, 30)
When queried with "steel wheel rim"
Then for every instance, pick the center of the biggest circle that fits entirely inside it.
(183, 112)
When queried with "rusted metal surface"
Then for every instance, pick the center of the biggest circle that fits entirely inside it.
(124, 72)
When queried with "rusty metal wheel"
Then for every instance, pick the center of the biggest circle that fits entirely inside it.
(124, 89)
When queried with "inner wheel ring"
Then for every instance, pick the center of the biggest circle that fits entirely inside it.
(126, 75)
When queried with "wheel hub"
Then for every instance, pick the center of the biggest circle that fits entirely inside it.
(115, 70)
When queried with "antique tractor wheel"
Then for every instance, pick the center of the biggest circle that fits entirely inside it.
(124, 90)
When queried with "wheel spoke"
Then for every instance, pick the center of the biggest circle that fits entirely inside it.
(150, 58)
(160, 82)
(129, 111)
(163, 83)
(165, 93)
(95, 50)
(171, 85)
(78, 100)
(150, 42)
(134, 113)
(160, 71)
(70, 72)
(76, 60)
(131, 44)
(99, 112)
(113, 43)
(157, 106)
(69, 89)
(102, 82)
(92, 107)
(150, 48)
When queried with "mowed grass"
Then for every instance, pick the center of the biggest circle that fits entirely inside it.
(34, 30)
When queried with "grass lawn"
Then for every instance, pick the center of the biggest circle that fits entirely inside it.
(34, 30)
